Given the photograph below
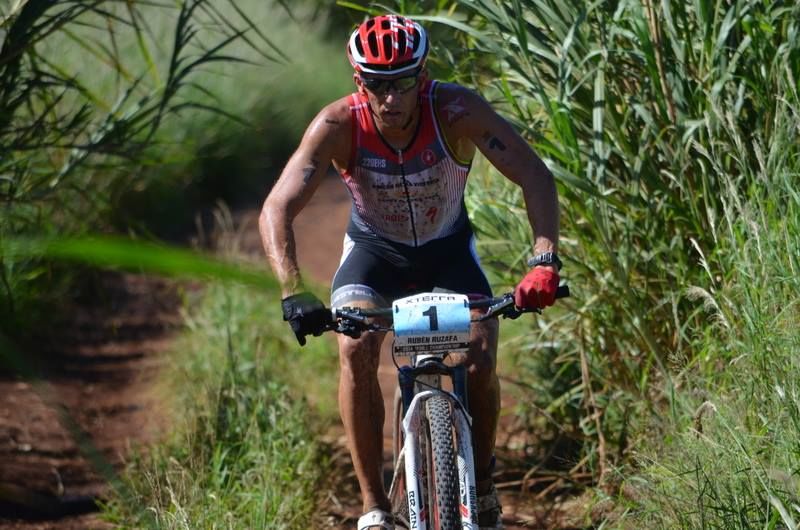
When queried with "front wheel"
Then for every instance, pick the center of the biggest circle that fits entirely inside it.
(442, 477)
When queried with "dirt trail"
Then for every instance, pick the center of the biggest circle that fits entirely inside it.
(90, 405)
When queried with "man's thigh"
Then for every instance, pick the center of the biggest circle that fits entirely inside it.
(361, 280)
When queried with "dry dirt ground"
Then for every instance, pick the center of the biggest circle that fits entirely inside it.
(91, 403)
(64, 431)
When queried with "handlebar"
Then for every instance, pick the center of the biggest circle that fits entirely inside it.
(352, 321)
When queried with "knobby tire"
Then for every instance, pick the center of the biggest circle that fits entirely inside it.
(442, 477)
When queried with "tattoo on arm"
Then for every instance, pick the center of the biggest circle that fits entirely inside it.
(309, 170)
(493, 141)
(455, 110)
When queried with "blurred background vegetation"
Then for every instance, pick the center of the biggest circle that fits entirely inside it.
(667, 384)
(136, 117)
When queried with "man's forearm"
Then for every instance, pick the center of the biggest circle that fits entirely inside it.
(541, 201)
(277, 237)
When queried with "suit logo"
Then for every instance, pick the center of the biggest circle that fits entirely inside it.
(429, 157)
(373, 162)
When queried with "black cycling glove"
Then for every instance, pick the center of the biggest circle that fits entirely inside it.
(307, 315)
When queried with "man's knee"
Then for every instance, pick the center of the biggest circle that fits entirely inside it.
(482, 358)
(481, 370)
(360, 357)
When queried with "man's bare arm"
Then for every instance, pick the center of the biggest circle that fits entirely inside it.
(294, 188)
(514, 158)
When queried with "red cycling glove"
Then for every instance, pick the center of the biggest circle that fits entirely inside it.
(537, 289)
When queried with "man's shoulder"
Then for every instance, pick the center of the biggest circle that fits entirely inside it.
(448, 92)
(336, 112)
(455, 104)
(331, 129)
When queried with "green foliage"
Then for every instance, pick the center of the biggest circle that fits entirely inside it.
(664, 124)
(76, 133)
(733, 458)
(173, 107)
(119, 253)
(243, 450)
(135, 116)
(67, 122)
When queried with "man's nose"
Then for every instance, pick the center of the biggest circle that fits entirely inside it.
(391, 94)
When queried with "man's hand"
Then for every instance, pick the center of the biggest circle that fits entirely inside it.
(307, 315)
(537, 289)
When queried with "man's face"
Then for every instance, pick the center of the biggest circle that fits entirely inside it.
(393, 98)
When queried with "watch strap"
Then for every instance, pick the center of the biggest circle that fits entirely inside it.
(545, 258)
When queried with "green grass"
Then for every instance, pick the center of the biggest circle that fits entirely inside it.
(730, 455)
(242, 450)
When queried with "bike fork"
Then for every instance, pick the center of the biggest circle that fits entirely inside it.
(412, 425)
(468, 490)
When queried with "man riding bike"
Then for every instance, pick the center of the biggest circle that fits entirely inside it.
(403, 145)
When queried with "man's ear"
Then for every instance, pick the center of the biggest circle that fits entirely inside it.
(423, 76)
(358, 82)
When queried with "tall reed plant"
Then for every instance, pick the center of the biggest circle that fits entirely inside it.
(133, 116)
(627, 101)
(729, 458)
(85, 88)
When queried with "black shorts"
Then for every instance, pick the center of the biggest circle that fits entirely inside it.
(380, 271)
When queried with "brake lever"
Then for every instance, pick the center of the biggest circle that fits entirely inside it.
(492, 310)
(507, 309)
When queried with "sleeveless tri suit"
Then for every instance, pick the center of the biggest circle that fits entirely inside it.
(408, 231)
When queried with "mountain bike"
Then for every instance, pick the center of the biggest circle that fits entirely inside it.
(433, 484)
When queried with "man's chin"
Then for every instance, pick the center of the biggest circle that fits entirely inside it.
(393, 120)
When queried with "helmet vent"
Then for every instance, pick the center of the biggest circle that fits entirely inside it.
(385, 24)
(416, 39)
(372, 41)
(402, 44)
(387, 47)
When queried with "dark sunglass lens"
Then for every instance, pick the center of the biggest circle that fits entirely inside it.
(381, 86)
(405, 83)
(374, 85)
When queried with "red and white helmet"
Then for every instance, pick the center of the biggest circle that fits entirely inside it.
(387, 45)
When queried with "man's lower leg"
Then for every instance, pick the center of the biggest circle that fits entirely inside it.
(485, 411)
(362, 412)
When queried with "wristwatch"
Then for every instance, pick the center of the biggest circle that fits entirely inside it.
(545, 258)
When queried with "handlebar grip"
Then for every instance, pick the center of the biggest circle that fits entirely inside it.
(562, 291)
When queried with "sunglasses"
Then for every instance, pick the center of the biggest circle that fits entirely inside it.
(380, 87)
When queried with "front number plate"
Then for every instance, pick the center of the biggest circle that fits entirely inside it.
(431, 322)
